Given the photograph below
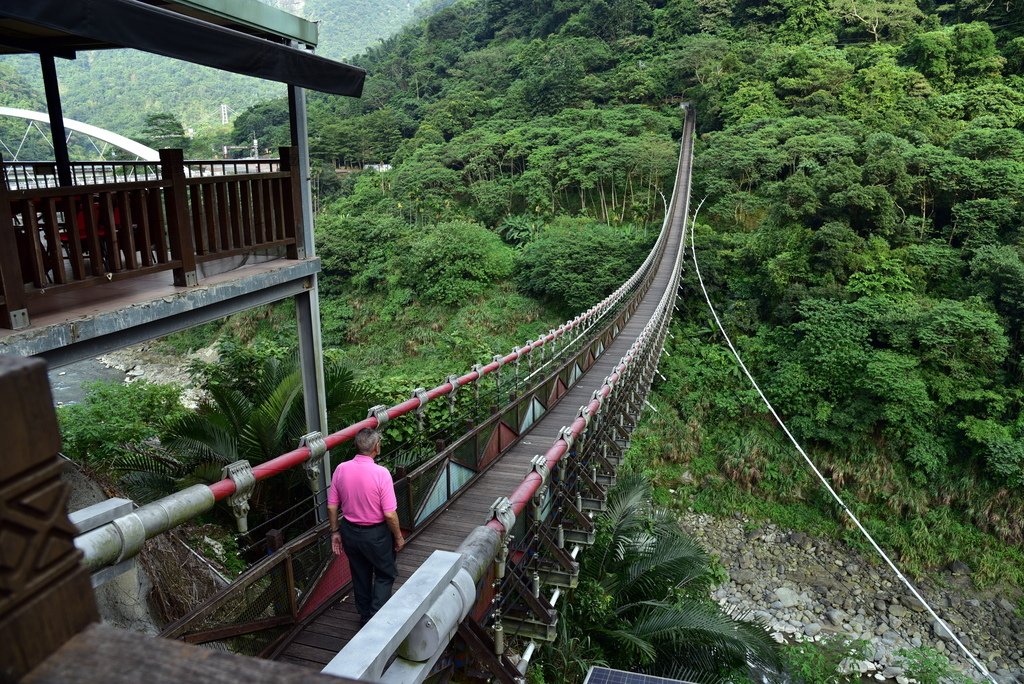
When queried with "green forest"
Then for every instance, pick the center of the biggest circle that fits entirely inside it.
(860, 166)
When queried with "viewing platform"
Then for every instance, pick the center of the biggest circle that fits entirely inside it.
(133, 245)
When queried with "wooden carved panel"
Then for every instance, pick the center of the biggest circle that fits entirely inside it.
(45, 593)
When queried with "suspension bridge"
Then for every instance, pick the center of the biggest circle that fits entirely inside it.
(497, 509)
(497, 489)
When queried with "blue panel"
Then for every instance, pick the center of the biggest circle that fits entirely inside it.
(534, 411)
(576, 373)
(437, 497)
(459, 475)
(605, 675)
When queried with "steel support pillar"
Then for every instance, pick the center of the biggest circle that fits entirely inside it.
(307, 308)
(56, 112)
(307, 304)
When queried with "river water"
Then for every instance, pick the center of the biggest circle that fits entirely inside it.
(66, 382)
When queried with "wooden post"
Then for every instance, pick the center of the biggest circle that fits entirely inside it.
(292, 197)
(45, 592)
(179, 228)
(13, 314)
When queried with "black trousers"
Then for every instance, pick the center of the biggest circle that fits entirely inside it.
(371, 558)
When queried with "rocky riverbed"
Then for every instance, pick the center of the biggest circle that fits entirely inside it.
(808, 588)
(147, 362)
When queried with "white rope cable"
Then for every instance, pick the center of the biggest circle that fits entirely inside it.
(824, 481)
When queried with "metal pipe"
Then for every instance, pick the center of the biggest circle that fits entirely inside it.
(524, 662)
(122, 538)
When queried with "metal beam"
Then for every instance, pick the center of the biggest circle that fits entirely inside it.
(314, 393)
(307, 304)
(54, 109)
(127, 144)
(259, 17)
(87, 349)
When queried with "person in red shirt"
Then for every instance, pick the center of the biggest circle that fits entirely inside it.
(368, 528)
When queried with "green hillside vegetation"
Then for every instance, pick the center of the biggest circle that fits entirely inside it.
(861, 230)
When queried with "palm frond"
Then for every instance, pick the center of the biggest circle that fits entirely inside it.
(202, 473)
(669, 562)
(202, 436)
(143, 487)
(623, 517)
(231, 405)
(686, 632)
(346, 399)
(147, 458)
(276, 419)
(632, 645)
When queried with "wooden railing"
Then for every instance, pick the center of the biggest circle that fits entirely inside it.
(253, 613)
(36, 175)
(55, 238)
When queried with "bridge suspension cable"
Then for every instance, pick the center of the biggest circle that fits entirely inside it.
(824, 481)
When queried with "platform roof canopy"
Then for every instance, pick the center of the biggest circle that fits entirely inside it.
(241, 36)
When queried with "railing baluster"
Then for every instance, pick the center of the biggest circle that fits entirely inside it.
(108, 222)
(31, 231)
(281, 217)
(235, 204)
(141, 215)
(210, 213)
(260, 211)
(73, 238)
(248, 222)
(289, 570)
(52, 233)
(157, 225)
(97, 243)
(198, 219)
(224, 216)
(126, 232)
(268, 209)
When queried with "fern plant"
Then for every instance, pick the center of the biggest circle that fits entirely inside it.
(256, 420)
(643, 598)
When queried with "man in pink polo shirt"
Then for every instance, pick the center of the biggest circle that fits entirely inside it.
(368, 528)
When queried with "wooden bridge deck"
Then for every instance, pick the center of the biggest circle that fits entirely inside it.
(324, 636)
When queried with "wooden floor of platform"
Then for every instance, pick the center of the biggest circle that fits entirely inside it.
(60, 318)
(84, 302)
(316, 643)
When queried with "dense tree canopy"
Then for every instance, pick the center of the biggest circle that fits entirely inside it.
(861, 163)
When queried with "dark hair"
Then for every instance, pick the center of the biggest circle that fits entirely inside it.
(366, 439)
